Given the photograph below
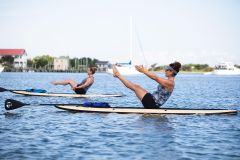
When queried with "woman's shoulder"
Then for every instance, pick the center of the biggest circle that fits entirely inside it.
(90, 77)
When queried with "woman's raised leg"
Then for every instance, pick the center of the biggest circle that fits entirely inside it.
(65, 82)
(139, 91)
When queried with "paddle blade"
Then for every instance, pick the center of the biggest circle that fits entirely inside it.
(11, 104)
(3, 89)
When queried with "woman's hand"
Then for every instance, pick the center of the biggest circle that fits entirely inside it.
(115, 71)
(74, 88)
(140, 68)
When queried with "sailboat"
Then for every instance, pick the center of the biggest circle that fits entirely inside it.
(127, 68)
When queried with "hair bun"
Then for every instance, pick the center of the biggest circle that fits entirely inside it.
(93, 69)
(176, 66)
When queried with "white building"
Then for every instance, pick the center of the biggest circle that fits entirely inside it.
(102, 66)
(19, 55)
(61, 63)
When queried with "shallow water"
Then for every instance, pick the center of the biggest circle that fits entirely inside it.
(45, 132)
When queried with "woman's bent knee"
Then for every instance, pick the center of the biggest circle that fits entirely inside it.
(69, 81)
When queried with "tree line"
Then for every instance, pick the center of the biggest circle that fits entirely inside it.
(185, 67)
(45, 62)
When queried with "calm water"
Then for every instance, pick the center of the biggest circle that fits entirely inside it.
(45, 132)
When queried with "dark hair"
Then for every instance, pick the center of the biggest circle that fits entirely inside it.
(93, 69)
(176, 66)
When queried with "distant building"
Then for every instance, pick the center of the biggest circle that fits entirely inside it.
(102, 65)
(61, 63)
(19, 55)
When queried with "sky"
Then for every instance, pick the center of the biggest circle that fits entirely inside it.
(188, 31)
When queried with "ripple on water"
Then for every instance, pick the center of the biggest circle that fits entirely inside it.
(32, 131)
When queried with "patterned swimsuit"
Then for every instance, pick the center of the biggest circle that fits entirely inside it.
(161, 95)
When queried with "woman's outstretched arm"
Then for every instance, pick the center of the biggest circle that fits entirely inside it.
(164, 82)
(86, 84)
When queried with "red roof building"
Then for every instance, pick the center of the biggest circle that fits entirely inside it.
(20, 56)
(12, 52)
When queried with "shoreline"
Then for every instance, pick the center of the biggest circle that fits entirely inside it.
(184, 72)
(157, 72)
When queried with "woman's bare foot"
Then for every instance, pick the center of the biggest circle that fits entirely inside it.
(115, 71)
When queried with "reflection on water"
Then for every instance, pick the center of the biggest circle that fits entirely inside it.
(158, 122)
(32, 131)
(10, 115)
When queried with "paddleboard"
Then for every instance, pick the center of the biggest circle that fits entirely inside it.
(65, 94)
(79, 108)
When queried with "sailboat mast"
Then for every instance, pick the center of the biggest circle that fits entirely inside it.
(131, 39)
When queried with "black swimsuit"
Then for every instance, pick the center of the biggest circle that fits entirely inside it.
(80, 90)
(149, 102)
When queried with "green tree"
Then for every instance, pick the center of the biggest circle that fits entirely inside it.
(153, 66)
(82, 63)
(72, 62)
(159, 68)
(238, 66)
(196, 67)
(7, 60)
(29, 63)
(186, 67)
(43, 61)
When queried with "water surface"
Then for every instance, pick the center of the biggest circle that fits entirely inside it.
(45, 132)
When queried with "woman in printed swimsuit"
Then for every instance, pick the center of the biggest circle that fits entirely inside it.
(82, 87)
(164, 89)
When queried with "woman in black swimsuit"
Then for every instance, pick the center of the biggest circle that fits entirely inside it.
(82, 87)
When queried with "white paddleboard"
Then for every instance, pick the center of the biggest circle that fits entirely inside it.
(145, 111)
(66, 94)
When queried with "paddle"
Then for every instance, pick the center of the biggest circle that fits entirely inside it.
(4, 89)
(11, 104)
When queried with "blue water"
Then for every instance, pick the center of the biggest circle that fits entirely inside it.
(45, 132)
